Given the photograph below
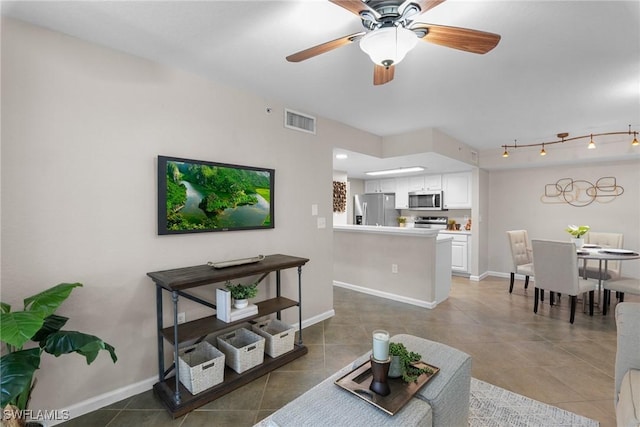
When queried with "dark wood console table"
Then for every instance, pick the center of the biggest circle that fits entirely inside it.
(176, 398)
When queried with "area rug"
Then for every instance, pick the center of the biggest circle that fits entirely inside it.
(495, 406)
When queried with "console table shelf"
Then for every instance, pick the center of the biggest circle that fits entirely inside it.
(207, 325)
(171, 392)
(232, 380)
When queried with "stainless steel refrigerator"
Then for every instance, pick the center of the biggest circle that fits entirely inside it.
(375, 209)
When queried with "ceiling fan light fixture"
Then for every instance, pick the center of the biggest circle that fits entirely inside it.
(388, 45)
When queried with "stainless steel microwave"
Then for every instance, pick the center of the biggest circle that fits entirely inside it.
(426, 200)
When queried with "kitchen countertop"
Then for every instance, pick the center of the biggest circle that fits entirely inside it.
(468, 233)
(408, 231)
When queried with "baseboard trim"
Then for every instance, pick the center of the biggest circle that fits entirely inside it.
(315, 319)
(507, 275)
(106, 399)
(480, 277)
(387, 295)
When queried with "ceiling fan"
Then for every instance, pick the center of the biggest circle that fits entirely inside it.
(392, 33)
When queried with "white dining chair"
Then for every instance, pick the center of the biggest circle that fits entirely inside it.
(621, 286)
(556, 270)
(605, 240)
(521, 256)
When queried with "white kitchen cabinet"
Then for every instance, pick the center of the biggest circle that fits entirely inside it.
(402, 193)
(457, 190)
(380, 185)
(433, 182)
(416, 183)
(425, 182)
(460, 252)
(388, 185)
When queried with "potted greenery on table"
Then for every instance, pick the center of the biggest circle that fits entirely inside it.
(402, 363)
(38, 323)
(241, 293)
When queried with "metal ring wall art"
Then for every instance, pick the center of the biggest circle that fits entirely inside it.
(580, 193)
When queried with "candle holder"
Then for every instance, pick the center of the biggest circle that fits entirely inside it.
(380, 372)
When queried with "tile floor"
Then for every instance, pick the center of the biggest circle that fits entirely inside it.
(540, 356)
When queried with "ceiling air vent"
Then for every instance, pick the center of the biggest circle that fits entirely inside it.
(299, 121)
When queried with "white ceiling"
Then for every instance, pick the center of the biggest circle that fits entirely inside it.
(357, 164)
(561, 66)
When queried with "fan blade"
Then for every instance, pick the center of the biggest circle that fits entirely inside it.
(382, 75)
(323, 48)
(355, 6)
(423, 4)
(474, 41)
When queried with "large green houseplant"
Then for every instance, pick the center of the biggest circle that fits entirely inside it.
(38, 323)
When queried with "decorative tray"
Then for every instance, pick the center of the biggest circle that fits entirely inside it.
(358, 381)
(231, 263)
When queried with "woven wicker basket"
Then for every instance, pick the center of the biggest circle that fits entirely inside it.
(243, 349)
(201, 366)
(278, 335)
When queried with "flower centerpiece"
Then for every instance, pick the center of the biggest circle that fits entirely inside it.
(241, 293)
(577, 232)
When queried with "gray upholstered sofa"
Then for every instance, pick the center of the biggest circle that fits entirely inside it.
(444, 401)
(627, 396)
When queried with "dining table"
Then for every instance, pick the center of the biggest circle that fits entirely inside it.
(603, 255)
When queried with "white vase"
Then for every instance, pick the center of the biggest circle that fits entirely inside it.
(240, 303)
(579, 242)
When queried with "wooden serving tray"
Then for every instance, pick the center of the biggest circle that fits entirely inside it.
(234, 262)
(358, 381)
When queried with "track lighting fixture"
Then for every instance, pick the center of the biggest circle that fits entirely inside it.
(563, 137)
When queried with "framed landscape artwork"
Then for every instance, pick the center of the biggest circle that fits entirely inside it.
(201, 196)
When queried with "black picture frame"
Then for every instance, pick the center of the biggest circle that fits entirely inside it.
(199, 196)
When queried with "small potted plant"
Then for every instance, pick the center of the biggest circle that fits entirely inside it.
(402, 363)
(38, 324)
(577, 232)
(241, 293)
(402, 221)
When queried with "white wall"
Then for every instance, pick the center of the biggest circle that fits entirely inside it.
(82, 126)
(365, 260)
(480, 217)
(515, 203)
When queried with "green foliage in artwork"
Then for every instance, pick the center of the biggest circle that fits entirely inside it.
(221, 187)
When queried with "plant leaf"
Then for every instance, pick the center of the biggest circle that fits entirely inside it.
(64, 342)
(6, 308)
(16, 328)
(48, 301)
(51, 324)
(16, 373)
